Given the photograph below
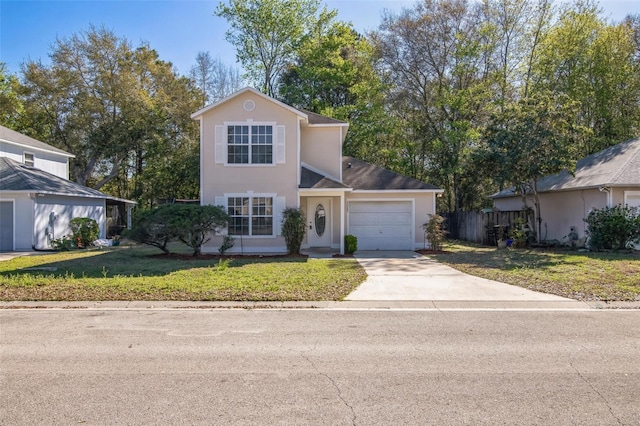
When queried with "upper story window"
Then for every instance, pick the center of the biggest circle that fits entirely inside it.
(250, 144)
(29, 159)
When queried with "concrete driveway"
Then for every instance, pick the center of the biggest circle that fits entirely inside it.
(407, 275)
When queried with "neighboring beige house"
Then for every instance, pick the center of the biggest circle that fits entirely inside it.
(607, 178)
(37, 199)
(259, 156)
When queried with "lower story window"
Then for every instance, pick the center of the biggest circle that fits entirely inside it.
(250, 215)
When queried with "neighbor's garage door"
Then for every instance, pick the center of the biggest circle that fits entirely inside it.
(381, 225)
(6, 226)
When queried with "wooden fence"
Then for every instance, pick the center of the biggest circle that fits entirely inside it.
(482, 228)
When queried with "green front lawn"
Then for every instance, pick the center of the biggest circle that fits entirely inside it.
(573, 274)
(129, 273)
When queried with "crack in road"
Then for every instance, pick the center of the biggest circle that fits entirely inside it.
(584, 379)
(337, 388)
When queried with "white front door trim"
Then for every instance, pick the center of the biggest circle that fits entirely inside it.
(313, 239)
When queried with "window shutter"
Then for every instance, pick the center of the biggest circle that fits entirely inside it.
(281, 204)
(221, 145)
(222, 201)
(280, 144)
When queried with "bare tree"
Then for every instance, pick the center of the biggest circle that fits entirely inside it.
(214, 78)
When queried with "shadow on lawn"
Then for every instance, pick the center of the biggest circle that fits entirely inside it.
(135, 262)
(510, 259)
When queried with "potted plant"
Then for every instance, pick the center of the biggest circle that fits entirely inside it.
(519, 234)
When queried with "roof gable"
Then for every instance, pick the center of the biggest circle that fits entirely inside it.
(309, 117)
(366, 177)
(17, 138)
(314, 180)
(253, 91)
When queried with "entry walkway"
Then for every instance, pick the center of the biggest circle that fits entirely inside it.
(409, 276)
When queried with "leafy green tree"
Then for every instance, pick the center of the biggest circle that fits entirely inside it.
(267, 34)
(593, 63)
(119, 110)
(335, 74)
(10, 101)
(437, 59)
(531, 139)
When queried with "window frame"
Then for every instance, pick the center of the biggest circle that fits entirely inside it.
(33, 159)
(251, 215)
(250, 145)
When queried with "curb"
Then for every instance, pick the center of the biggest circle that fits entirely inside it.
(433, 305)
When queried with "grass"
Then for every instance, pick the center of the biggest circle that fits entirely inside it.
(129, 273)
(573, 274)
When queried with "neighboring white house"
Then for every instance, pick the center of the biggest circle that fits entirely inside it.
(605, 179)
(258, 156)
(37, 199)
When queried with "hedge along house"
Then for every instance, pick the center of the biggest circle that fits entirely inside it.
(37, 200)
(259, 156)
(604, 179)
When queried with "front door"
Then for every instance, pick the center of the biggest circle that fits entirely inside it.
(319, 222)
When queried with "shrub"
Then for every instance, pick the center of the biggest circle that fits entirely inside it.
(153, 227)
(613, 228)
(192, 224)
(65, 243)
(294, 226)
(227, 242)
(85, 230)
(435, 231)
(350, 244)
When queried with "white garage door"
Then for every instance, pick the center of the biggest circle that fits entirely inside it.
(382, 225)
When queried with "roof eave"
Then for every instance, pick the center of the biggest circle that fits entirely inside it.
(196, 115)
(31, 147)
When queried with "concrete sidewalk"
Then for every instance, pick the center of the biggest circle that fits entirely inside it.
(409, 276)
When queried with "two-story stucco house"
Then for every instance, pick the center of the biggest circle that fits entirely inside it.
(37, 199)
(259, 156)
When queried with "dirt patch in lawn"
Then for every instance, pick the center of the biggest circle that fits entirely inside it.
(427, 252)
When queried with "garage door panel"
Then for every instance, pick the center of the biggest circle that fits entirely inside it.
(401, 219)
(364, 219)
(383, 225)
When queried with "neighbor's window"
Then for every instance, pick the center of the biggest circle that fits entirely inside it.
(250, 144)
(29, 159)
(250, 215)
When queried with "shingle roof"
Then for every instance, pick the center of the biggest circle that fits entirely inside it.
(618, 165)
(360, 175)
(321, 119)
(312, 180)
(16, 176)
(9, 135)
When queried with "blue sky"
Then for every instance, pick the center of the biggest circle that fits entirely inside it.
(178, 30)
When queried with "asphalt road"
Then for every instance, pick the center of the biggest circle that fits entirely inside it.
(269, 367)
